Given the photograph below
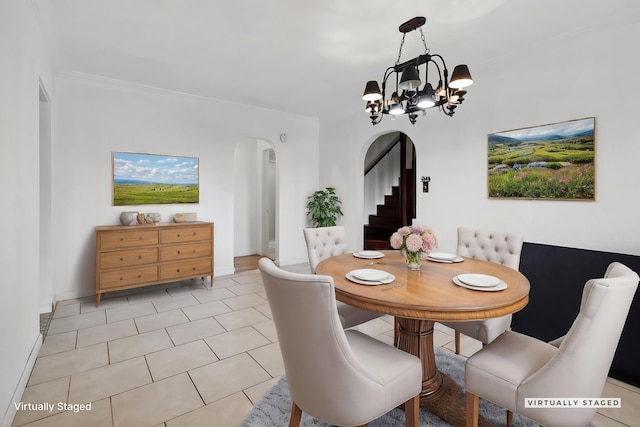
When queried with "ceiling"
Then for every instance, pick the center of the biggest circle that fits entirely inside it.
(308, 57)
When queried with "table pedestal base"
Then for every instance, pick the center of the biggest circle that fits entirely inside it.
(440, 394)
(416, 337)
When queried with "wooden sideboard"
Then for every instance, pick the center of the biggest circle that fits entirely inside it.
(141, 255)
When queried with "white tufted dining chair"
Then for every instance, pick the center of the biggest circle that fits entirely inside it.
(343, 378)
(501, 248)
(325, 242)
(516, 367)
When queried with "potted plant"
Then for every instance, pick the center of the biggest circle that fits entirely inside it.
(324, 207)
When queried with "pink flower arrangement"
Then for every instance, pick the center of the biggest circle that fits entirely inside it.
(415, 239)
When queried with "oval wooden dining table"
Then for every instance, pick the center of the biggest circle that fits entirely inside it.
(418, 298)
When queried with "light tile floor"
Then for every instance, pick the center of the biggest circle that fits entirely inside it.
(185, 355)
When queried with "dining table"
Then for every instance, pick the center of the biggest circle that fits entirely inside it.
(419, 298)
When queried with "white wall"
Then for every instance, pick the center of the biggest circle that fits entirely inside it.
(245, 198)
(46, 224)
(581, 74)
(94, 117)
(23, 64)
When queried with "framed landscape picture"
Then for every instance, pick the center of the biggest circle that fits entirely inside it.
(550, 162)
(145, 179)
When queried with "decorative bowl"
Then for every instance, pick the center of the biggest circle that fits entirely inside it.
(152, 218)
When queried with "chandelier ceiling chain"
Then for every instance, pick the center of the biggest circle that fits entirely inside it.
(400, 51)
(409, 98)
(424, 41)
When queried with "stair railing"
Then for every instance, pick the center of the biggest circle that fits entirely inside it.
(381, 156)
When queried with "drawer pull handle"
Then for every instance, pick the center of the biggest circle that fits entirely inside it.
(122, 278)
(194, 233)
(194, 269)
(122, 239)
(194, 251)
(139, 256)
(140, 238)
(178, 235)
(178, 252)
(177, 270)
(121, 259)
(139, 276)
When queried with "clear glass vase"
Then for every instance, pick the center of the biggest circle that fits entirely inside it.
(414, 260)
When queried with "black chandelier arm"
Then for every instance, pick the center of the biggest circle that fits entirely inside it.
(450, 112)
(387, 74)
(444, 65)
(435, 55)
(439, 71)
(419, 60)
(375, 119)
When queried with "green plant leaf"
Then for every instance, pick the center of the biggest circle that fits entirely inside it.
(324, 207)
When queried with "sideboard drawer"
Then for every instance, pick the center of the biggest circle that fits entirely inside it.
(128, 239)
(185, 269)
(186, 234)
(128, 276)
(128, 258)
(192, 250)
(145, 255)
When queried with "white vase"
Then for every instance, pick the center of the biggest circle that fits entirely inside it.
(127, 218)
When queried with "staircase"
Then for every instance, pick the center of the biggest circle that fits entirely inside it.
(399, 207)
(384, 223)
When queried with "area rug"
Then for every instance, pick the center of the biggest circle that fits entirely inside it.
(274, 409)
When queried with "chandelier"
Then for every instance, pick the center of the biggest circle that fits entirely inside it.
(408, 96)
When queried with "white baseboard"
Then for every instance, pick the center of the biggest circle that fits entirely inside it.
(220, 272)
(46, 308)
(293, 261)
(68, 295)
(22, 384)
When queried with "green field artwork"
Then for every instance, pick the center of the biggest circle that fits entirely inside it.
(554, 161)
(145, 179)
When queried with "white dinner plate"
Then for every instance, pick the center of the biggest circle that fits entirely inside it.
(443, 256)
(368, 254)
(499, 287)
(457, 259)
(390, 278)
(479, 280)
(370, 274)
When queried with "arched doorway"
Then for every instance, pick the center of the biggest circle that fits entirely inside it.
(255, 214)
(389, 188)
